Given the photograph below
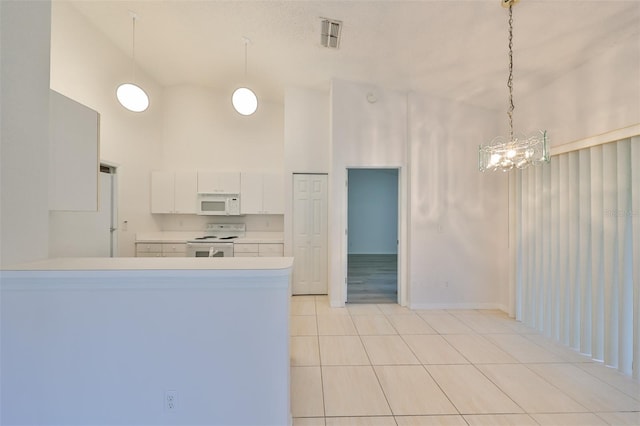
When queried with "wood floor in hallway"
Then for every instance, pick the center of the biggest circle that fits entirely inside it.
(372, 278)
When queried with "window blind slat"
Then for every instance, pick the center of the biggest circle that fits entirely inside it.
(578, 251)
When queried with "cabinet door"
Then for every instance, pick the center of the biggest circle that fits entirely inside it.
(271, 250)
(186, 191)
(73, 155)
(229, 182)
(273, 193)
(219, 182)
(162, 192)
(251, 193)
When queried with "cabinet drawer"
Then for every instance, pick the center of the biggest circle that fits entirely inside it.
(148, 248)
(245, 248)
(168, 248)
(175, 254)
(148, 254)
(271, 250)
(238, 254)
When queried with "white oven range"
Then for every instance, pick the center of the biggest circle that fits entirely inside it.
(217, 241)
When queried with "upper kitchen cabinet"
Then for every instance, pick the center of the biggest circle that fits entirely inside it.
(262, 193)
(174, 192)
(218, 182)
(73, 155)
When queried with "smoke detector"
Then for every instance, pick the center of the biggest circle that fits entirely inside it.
(330, 33)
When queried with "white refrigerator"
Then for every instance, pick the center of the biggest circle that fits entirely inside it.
(87, 233)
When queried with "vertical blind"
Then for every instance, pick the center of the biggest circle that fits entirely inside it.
(578, 251)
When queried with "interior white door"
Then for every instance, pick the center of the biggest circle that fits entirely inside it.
(310, 234)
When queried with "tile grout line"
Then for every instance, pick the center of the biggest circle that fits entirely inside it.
(386, 398)
(315, 311)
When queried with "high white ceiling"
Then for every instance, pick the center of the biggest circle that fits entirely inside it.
(454, 49)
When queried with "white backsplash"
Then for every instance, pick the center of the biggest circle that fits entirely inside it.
(192, 222)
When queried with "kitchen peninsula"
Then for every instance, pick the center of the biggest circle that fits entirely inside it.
(146, 341)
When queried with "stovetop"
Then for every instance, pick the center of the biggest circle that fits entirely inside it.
(214, 237)
(221, 232)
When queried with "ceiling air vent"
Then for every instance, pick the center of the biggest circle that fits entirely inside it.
(330, 34)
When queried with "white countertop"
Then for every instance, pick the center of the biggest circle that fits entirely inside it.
(178, 237)
(155, 263)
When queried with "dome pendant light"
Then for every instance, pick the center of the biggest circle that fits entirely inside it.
(130, 95)
(243, 99)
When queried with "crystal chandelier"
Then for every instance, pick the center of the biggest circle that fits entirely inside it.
(516, 151)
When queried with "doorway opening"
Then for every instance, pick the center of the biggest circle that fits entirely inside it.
(372, 236)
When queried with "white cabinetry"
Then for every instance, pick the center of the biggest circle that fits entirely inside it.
(258, 250)
(218, 182)
(262, 193)
(173, 192)
(161, 249)
(148, 249)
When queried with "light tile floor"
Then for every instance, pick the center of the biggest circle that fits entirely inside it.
(385, 365)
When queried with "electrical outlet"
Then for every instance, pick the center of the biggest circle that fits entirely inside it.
(171, 400)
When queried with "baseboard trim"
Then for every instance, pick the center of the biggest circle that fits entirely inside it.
(457, 306)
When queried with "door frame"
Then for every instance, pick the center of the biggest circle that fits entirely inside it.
(402, 232)
(111, 168)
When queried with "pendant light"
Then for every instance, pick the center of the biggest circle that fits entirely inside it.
(516, 151)
(130, 95)
(243, 99)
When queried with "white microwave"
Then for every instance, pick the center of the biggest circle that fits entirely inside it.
(219, 204)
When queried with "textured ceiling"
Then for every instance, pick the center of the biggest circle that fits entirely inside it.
(453, 49)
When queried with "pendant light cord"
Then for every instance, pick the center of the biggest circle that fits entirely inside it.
(246, 42)
(510, 80)
(133, 49)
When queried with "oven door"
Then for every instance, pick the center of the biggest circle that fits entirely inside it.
(209, 249)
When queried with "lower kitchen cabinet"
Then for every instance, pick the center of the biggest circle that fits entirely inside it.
(161, 249)
(258, 250)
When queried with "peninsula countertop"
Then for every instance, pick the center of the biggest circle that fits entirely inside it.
(153, 263)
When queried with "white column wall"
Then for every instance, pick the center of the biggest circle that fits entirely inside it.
(362, 134)
(306, 144)
(24, 125)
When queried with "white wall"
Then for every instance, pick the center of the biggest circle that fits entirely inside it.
(201, 130)
(24, 154)
(597, 97)
(362, 134)
(454, 228)
(87, 67)
(102, 348)
(459, 222)
(373, 211)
